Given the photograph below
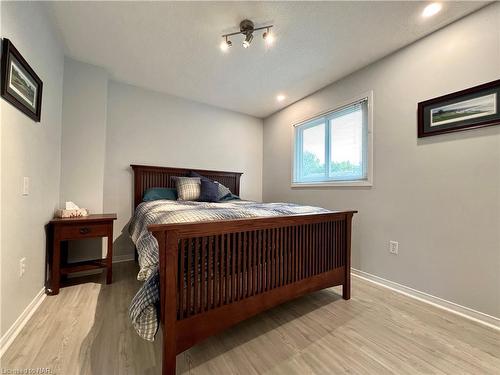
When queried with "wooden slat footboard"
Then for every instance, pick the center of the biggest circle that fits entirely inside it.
(216, 274)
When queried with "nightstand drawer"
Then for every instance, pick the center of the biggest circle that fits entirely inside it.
(84, 230)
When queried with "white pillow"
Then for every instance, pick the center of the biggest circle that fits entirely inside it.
(188, 188)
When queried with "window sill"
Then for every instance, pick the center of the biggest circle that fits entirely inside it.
(298, 185)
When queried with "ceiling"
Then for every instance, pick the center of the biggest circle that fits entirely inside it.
(173, 47)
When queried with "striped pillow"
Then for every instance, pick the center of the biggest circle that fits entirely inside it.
(223, 191)
(188, 188)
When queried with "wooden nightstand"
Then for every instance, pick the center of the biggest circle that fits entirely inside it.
(76, 228)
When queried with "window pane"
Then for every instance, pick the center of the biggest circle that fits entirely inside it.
(346, 144)
(313, 152)
(333, 147)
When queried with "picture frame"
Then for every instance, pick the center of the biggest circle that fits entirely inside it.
(20, 85)
(472, 108)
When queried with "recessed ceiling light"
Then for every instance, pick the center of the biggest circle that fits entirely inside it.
(431, 9)
(280, 97)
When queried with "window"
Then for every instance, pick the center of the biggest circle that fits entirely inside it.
(334, 148)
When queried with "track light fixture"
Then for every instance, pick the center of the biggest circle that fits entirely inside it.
(247, 29)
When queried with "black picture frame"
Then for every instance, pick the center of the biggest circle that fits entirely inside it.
(472, 108)
(20, 86)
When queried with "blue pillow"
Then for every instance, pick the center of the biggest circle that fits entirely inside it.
(154, 194)
(230, 197)
(209, 191)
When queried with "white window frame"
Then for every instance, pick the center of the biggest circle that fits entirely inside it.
(369, 144)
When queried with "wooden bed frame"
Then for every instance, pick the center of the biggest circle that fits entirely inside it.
(216, 274)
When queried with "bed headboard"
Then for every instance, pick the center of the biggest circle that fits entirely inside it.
(146, 176)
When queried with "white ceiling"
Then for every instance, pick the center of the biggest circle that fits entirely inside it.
(173, 47)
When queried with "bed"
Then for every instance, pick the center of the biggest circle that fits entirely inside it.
(213, 274)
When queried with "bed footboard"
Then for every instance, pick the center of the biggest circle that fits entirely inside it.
(216, 274)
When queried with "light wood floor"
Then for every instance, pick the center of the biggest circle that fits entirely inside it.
(85, 330)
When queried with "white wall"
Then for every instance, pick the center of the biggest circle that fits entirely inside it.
(83, 145)
(439, 196)
(29, 149)
(146, 127)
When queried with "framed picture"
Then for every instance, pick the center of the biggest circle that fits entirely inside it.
(472, 108)
(20, 85)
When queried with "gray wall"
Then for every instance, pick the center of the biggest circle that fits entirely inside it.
(83, 145)
(145, 127)
(33, 150)
(83, 134)
(440, 196)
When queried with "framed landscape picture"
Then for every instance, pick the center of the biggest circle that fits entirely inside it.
(20, 85)
(472, 108)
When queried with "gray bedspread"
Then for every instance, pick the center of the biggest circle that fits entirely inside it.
(144, 309)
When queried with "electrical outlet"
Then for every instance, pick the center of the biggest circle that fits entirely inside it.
(26, 186)
(394, 247)
(22, 267)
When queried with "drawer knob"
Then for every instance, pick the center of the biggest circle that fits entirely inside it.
(84, 230)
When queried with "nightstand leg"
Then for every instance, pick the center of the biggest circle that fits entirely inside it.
(64, 259)
(55, 269)
(109, 260)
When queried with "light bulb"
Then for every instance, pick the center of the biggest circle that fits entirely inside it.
(247, 41)
(280, 97)
(268, 38)
(431, 9)
(224, 45)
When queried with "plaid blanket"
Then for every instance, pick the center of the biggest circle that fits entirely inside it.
(144, 308)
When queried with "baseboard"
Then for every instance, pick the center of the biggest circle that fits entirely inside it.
(452, 307)
(19, 324)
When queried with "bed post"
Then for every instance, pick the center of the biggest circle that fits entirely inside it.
(346, 286)
(167, 247)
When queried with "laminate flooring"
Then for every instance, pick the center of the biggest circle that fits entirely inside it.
(85, 330)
